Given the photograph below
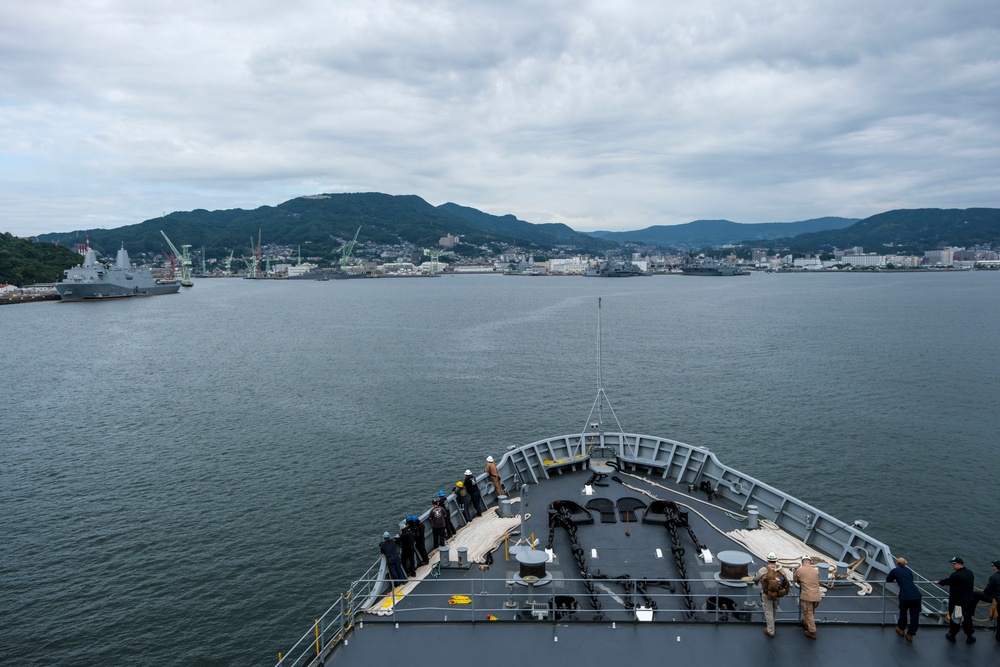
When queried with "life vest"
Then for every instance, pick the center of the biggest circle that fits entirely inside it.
(775, 584)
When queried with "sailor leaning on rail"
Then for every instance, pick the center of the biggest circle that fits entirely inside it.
(477, 496)
(909, 599)
(775, 582)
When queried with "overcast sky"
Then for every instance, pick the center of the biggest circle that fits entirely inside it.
(602, 115)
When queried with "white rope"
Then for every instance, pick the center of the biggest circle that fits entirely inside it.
(767, 539)
(687, 507)
(480, 537)
(679, 493)
(772, 538)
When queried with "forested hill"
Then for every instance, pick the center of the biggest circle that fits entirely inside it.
(906, 231)
(322, 224)
(704, 233)
(24, 262)
(325, 221)
(544, 234)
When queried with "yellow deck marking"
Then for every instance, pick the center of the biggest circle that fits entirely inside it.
(390, 600)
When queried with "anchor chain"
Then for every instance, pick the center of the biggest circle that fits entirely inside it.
(563, 518)
(673, 522)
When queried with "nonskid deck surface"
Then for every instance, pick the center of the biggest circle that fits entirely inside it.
(499, 644)
(629, 564)
(494, 614)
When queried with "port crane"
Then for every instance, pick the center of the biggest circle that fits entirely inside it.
(347, 249)
(253, 262)
(435, 256)
(183, 258)
(171, 259)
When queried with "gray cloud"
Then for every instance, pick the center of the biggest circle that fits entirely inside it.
(613, 115)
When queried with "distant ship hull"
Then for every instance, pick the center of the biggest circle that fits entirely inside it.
(613, 270)
(85, 292)
(713, 270)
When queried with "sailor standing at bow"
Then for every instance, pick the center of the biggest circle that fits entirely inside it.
(961, 600)
(775, 583)
(807, 577)
(491, 470)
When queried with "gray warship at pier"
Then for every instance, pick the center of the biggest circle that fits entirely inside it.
(95, 280)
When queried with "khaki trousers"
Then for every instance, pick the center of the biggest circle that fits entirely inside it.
(770, 609)
(808, 614)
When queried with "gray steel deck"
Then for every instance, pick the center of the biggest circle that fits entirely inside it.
(497, 644)
(852, 628)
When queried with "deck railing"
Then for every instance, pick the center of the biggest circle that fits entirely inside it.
(692, 466)
(671, 461)
(336, 623)
(467, 601)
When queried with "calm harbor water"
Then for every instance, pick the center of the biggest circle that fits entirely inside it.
(193, 479)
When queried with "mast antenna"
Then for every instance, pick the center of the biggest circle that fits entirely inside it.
(595, 427)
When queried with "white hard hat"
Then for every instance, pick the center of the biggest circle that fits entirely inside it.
(772, 557)
(468, 472)
(489, 458)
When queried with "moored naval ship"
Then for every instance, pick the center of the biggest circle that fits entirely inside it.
(712, 269)
(601, 545)
(95, 280)
(610, 269)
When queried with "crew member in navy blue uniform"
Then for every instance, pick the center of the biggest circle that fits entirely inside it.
(464, 500)
(420, 538)
(392, 560)
(477, 496)
(909, 599)
(991, 594)
(407, 546)
(962, 593)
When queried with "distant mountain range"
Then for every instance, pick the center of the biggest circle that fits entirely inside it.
(327, 221)
(907, 231)
(321, 224)
(704, 233)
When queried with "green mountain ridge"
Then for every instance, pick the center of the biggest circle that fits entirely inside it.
(327, 221)
(703, 233)
(906, 231)
(322, 224)
(545, 234)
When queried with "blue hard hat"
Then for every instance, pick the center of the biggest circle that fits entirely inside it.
(386, 534)
(441, 494)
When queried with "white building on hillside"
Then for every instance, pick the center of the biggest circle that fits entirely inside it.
(867, 259)
(568, 265)
(301, 269)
